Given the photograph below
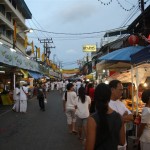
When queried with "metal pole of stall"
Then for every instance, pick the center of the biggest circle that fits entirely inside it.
(14, 80)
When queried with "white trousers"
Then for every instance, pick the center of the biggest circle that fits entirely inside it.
(23, 105)
(16, 106)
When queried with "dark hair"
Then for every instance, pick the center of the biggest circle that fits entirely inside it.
(69, 86)
(102, 97)
(146, 96)
(81, 93)
(114, 83)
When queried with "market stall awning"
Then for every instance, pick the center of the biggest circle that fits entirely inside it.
(35, 75)
(141, 56)
(122, 54)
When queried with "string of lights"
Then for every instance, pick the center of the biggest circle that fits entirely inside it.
(105, 3)
(109, 2)
(124, 7)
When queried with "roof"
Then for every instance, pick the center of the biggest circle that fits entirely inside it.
(116, 32)
(122, 54)
(25, 10)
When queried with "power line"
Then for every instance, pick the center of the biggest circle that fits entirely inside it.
(78, 33)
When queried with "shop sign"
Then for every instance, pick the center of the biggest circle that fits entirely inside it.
(89, 48)
(16, 59)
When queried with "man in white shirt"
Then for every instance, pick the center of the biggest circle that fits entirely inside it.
(16, 97)
(115, 103)
(23, 98)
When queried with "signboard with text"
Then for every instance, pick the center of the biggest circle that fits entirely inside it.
(89, 48)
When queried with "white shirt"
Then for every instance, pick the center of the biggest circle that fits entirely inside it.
(78, 84)
(119, 107)
(145, 118)
(16, 95)
(71, 97)
(60, 84)
(23, 96)
(83, 108)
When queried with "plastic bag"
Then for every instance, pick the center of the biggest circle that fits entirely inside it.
(45, 100)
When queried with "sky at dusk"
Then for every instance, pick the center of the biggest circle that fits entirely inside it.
(74, 23)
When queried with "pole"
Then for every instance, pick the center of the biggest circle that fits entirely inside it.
(142, 5)
(36, 53)
(132, 89)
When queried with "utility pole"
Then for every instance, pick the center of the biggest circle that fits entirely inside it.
(46, 48)
(141, 5)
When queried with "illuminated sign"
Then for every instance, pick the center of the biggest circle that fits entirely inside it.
(89, 48)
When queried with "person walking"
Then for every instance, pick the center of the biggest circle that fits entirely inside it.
(23, 98)
(90, 92)
(41, 95)
(82, 112)
(69, 99)
(144, 129)
(105, 128)
(115, 103)
(16, 97)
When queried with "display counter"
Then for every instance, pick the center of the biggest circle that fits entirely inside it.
(128, 104)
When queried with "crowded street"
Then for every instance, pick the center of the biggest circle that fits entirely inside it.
(75, 75)
(37, 130)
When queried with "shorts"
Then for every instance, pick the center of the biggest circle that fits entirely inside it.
(71, 117)
(81, 121)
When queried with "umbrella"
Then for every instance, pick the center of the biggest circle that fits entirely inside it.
(122, 54)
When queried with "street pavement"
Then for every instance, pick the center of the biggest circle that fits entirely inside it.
(37, 130)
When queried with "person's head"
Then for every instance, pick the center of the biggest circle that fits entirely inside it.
(70, 87)
(90, 85)
(116, 89)
(102, 97)
(81, 93)
(146, 96)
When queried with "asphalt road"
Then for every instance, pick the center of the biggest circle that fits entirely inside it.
(37, 130)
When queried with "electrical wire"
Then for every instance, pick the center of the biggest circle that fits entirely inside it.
(77, 33)
(130, 16)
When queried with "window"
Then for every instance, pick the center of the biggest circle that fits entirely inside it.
(14, 4)
(2, 29)
(9, 34)
(8, 16)
(2, 9)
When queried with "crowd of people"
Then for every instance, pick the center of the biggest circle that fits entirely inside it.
(95, 113)
(99, 117)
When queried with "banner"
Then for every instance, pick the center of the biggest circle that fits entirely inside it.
(70, 71)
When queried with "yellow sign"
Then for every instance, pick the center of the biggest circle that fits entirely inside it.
(70, 71)
(89, 48)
